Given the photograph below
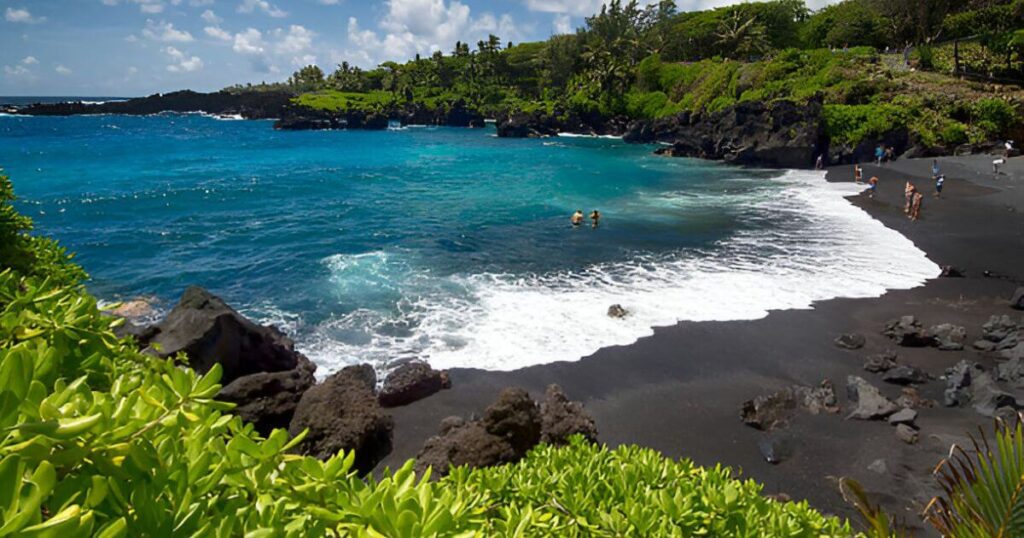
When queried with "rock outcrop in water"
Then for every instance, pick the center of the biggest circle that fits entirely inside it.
(300, 118)
(541, 124)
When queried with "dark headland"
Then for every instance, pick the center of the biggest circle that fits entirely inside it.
(681, 390)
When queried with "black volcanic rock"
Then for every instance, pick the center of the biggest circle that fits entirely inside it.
(779, 134)
(411, 382)
(267, 400)
(209, 331)
(342, 413)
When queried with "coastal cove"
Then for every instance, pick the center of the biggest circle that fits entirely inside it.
(439, 249)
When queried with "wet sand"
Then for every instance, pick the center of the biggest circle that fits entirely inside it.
(680, 390)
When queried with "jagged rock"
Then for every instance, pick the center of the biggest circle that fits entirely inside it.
(410, 382)
(903, 416)
(342, 413)
(776, 134)
(250, 105)
(998, 328)
(985, 345)
(958, 378)
(1011, 371)
(1017, 301)
(1011, 341)
(912, 399)
(561, 418)
(775, 448)
(907, 332)
(509, 428)
(770, 411)
(947, 337)
(878, 466)
(903, 374)
(617, 311)
(851, 341)
(870, 403)
(986, 396)
(1017, 352)
(267, 400)
(880, 363)
(906, 434)
(209, 331)
(948, 271)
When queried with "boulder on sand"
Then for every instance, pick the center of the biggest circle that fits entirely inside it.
(987, 396)
(958, 378)
(998, 328)
(410, 382)
(851, 341)
(342, 413)
(509, 428)
(870, 403)
(947, 337)
(906, 434)
(903, 416)
(1017, 301)
(767, 412)
(209, 331)
(561, 418)
(907, 332)
(882, 362)
(903, 374)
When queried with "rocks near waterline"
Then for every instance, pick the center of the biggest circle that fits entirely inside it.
(410, 382)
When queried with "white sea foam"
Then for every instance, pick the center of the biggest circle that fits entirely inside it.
(582, 135)
(502, 322)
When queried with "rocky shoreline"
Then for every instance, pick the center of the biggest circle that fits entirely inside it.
(273, 386)
(778, 134)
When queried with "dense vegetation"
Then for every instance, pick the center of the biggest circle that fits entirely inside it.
(655, 61)
(99, 439)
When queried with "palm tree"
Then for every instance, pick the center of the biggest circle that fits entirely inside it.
(740, 37)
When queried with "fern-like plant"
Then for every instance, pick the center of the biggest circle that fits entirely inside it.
(983, 489)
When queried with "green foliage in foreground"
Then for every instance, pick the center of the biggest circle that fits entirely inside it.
(98, 439)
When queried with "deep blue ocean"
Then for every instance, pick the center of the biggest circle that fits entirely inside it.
(439, 243)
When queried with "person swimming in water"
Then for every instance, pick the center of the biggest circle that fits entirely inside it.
(577, 217)
(596, 217)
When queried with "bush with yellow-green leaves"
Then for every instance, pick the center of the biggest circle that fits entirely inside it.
(98, 439)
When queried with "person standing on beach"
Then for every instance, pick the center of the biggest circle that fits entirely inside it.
(820, 163)
(879, 153)
(939, 180)
(890, 154)
(915, 208)
(908, 196)
(858, 174)
(577, 217)
(596, 217)
(935, 169)
(872, 186)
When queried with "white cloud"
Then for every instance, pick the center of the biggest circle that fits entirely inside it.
(330, 2)
(293, 41)
(562, 24)
(249, 42)
(165, 32)
(29, 60)
(182, 62)
(146, 6)
(217, 32)
(248, 6)
(18, 71)
(22, 15)
(61, 70)
(210, 17)
(200, 3)
(423, 26)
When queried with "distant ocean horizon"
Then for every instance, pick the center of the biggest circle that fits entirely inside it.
(22, 100)
(444, 244)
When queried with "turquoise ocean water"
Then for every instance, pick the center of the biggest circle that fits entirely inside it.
(445, 244)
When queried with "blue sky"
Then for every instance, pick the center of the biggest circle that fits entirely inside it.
(139, 47)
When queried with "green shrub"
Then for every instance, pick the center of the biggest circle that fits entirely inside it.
(852, 124)
(994, 116)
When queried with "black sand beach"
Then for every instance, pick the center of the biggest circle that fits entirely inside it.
(680, 391)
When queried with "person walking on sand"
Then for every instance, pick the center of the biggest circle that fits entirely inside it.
(939, 180)
(915, 208)
(577, 217)
(879, 153)
(820, 163)
(595, 216)
(858, 174)
(935, 169)
(890, 154)
(908, 196)
(872, 186)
